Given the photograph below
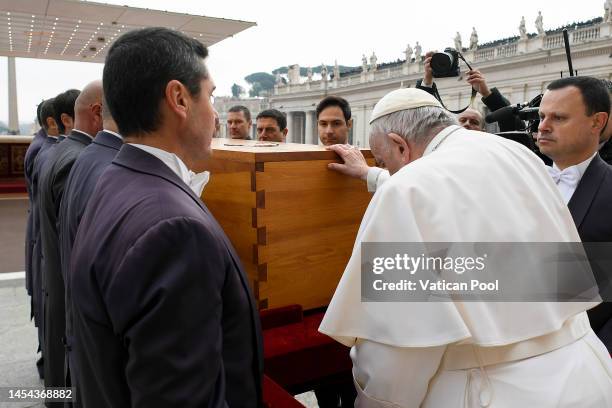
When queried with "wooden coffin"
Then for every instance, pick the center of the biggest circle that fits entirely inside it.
(292, 221)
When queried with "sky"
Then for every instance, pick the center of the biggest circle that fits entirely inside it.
(310, 33)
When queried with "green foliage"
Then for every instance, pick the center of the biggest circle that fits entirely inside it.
(237, 90)
(260, 81)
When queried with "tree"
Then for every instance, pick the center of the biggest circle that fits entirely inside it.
(260, 81)
(237, 90)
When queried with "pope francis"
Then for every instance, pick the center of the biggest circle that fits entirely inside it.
(449, 184)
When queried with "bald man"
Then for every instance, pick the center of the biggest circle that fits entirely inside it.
(471, 119)
(54, 174)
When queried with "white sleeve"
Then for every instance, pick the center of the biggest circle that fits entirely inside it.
(376, 177)
(389, 376)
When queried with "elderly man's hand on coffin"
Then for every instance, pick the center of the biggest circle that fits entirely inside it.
(354, 165)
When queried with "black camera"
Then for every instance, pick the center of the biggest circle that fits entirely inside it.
(445, 64)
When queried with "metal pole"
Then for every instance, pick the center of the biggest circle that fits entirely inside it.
(567, 52)
(13, 124)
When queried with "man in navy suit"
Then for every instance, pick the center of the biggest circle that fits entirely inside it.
(49, 133)
(30, 156)
(573, 114)
(162, 312)
(28, 165)
(54, 174)
(80, 185)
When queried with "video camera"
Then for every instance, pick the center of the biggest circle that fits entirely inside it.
(528, 112)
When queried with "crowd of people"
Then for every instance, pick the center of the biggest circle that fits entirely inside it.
(141, 300)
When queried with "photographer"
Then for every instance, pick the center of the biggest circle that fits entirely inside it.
(492, 98)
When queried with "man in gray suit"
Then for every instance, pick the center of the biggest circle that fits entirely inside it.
(88, 121)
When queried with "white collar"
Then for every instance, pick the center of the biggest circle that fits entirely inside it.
(196, 182)
(581, 167)
(84, 133)
(439, 138)
(113, 133)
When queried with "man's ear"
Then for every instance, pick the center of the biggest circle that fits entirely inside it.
(349, 124)
(285, 131)
(399, 143)
(51, 123)
(600, 119)
(67, 120)
(177, 98)
(96, 108)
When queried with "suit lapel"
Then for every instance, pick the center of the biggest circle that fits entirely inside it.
(587, 188)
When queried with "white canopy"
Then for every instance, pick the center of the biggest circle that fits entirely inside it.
(82, 31)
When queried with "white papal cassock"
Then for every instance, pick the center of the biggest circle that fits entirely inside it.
(468, 187)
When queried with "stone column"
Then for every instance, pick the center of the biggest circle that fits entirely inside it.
(13, 124)
(310, 135)
(290, 136)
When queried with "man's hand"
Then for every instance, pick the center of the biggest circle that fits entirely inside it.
(355, 164)
(477, 80)
(428, 76)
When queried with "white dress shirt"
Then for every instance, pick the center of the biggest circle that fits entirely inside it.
(567, 179)
(196, 182)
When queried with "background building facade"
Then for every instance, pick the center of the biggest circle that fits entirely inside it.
(520, 67)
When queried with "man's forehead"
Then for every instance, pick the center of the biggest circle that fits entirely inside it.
(470, 113)
(332, 111)
(208, 83)
(235, 115)
(562, 96)
(267, 121)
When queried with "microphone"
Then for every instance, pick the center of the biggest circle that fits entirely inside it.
(507, 112)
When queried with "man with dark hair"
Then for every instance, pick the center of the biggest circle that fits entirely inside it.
(53, 179)
(80, 185)
(28, 164)
(573, 113)
(33, 150)
(63, 107)
(34, 244)
(162, 311)
(606, 136)
(333, 120)
(239, 122)
(271, 126)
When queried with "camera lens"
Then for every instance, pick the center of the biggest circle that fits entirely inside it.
(441, 62)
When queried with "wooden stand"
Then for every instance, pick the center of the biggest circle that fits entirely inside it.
(292, 221)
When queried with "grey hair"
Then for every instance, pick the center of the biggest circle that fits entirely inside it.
(418, 125)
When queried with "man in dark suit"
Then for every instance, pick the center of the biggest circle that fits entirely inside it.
(64, 102)
(54, 174)
(80, 185)
(573, 114)
(162, 312)
(28, 164)
(605, 151)
(35, 155)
